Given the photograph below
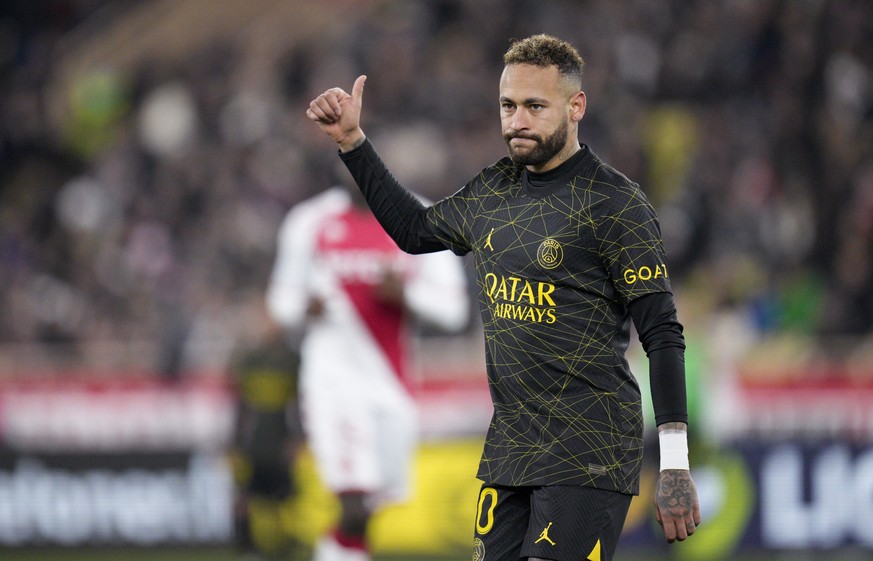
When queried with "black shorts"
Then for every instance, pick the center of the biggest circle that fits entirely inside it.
(557, 522)
(270, 480)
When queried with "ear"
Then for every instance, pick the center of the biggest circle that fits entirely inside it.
(578, 102)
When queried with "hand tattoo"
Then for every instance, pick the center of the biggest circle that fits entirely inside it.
(675, 493)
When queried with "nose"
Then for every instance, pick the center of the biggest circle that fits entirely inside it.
(519, 120)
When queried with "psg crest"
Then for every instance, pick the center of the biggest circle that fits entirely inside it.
(550, 254)
(478, 550)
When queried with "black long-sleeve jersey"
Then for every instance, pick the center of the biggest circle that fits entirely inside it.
(563, 261)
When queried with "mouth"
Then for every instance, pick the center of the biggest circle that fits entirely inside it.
(522, 140)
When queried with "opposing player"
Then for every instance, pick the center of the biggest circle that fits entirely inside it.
(567, 253)
(342, 279)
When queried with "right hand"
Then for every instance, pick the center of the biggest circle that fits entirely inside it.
(338, 114)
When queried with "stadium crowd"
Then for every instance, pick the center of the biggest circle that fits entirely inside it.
(149, 211)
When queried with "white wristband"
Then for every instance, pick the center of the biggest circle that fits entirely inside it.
(674, 449)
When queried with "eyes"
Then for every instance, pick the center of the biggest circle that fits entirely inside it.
(509, 107)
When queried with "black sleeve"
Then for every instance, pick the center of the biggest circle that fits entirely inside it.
(399, 212)
(654, 316)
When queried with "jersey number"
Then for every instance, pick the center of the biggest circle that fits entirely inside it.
(489, 515)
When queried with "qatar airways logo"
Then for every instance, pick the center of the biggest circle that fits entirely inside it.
(365, 266)
(521, 299)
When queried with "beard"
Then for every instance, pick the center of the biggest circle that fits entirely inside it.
(544, 150)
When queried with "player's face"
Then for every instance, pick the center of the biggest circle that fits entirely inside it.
(538, 112)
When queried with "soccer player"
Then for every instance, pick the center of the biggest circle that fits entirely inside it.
(567, 252)
(266, 439)
(342, 280)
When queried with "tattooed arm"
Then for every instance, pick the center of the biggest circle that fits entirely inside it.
(676, 506)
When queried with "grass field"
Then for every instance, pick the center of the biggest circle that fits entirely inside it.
(225, 554)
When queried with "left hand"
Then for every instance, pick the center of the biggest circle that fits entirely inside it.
(676, 506)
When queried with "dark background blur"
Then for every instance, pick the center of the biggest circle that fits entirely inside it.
(150, 149)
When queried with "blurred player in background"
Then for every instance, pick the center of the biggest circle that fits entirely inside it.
(268, 436)
(346, 284)
(568, 252)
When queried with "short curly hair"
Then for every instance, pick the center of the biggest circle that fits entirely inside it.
(545, 50)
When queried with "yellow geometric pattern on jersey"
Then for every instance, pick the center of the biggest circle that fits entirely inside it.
(555, 273)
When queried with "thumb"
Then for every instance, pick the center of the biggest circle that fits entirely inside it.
(358, 89)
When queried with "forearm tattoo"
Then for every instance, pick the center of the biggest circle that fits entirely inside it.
(675, 492)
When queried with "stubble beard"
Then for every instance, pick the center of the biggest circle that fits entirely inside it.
(545, 148)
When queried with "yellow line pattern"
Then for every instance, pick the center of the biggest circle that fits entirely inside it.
(566, 406)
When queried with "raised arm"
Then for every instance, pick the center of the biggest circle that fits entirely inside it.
(400, 213)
